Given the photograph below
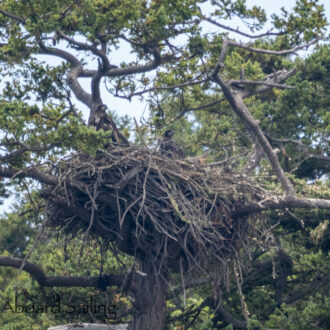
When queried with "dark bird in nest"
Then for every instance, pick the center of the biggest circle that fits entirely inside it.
(169, 148)
(101, 120)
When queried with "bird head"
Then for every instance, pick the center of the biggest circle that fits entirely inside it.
(101, 108)
(168, 134)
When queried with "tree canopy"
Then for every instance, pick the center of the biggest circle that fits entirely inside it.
(232, 235)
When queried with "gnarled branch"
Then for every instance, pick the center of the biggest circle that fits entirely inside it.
(61, 281)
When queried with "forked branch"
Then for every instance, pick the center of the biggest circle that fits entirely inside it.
(236, 101)
(243, 112)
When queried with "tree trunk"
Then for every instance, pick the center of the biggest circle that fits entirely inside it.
(150, 299)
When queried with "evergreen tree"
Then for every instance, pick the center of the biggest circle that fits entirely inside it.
(252, 114)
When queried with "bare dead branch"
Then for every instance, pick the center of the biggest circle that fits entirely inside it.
(221, 60)
(304, 147)
(156, 88)
(272, 81)
(273, 52)
(281, 203)
(242, 111)
(286, 141)
(201, 107)
(256, 83)
(252, 36)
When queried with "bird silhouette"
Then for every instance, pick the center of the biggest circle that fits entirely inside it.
(169, 148)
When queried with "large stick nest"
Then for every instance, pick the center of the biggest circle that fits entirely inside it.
(148, 204)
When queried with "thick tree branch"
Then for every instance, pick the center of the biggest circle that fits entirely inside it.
(91, 47)
(104, 64)
(12, 16)
(44, 50)
(79, 92)
(96, 94)
(29, 173)
(236, 101)
(12, 155)
(73, 74)
(285, 202)
(117, 72)
(61, 281)
(242, 111)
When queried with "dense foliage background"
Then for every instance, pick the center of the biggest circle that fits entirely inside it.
(285, 286)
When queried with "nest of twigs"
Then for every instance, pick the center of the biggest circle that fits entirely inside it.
(147, 204)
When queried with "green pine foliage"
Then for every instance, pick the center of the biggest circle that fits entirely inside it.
(38, 119)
